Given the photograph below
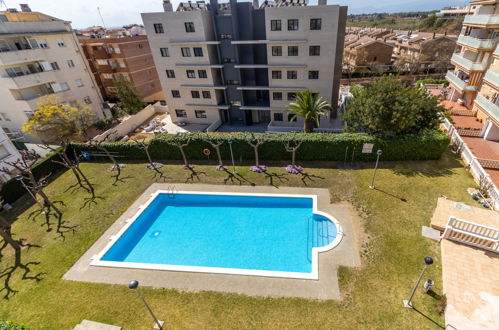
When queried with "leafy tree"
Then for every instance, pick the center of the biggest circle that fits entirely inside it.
(388, 107)
(129, 100)
(309, 106)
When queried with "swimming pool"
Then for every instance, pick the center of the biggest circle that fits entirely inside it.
(232, 233)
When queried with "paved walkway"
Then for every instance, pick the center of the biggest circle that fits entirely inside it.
(346, 253)
(470, 275)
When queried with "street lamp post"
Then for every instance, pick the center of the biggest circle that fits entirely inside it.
(20, 179)
(378, 153)
(232, 157)
(134, 285)
(427, 261)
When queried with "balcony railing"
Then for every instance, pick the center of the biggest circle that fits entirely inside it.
(493, 78)
(476, 43)
(481, 20)
(22, 56)
(458, 59)
(488, 106)
(460, 84)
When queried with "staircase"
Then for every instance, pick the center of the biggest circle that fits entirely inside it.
(473, 234)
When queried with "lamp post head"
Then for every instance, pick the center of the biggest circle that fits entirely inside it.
(379, 152)
(133, 284)
(229, 141)
(19, 177)
(428, 260)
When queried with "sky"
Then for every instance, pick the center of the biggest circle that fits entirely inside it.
(83, 13)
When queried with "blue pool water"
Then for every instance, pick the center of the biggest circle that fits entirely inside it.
(226, 231)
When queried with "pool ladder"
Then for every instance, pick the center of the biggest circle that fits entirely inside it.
(321, 238)
(172, 190)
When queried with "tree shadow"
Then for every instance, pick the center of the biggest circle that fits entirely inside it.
(8, 273)
(306, 176)
(89, 201)
(428, 318)
(272, 176)
(236, 178)
(391, 195)
(194, 174)
(61, 227)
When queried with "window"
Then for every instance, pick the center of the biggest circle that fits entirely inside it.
(275, 25)
(198, 51)
(315, 23)
(292, 25)
(291, 117)
(122, 64)
(291, 96)
(42, 43)
(277, 96)
(206, 95)
(186, 51)
(79, 83)
(117, 50)
(181, 113)
(140, 46)
(71, 64)
(102, 62)
(175, 93)
(202, 74)
(158, 28)
(164, 52)
(200, 113)
(60, 43)
(292, 74)
(232, 82)
(107, 76)
(313, 75)
(4, 153)
(195, 94)
(276, 50)
(189, 27)
(276, 75)
(112, 89)
(292, 50)
(225, 36)
(54, 66)
(170, 74)
(278, 117)
(87, 100)
(191, 73)
(314, 50)
(229, 60)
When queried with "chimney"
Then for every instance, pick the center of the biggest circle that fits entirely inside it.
(256, 5)
(25, 8)
(167, 5)
(322, 3)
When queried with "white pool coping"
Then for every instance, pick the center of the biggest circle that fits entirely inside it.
(314, 275)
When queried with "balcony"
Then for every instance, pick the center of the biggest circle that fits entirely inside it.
(460, 84)
(492, 78)
(459, 60)
(482, 20)
(489, 107)
(33, 79)
(476, 43)
(22, 56)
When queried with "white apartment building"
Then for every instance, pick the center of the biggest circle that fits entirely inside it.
(242, 63)
(8, 153)
(40, 55)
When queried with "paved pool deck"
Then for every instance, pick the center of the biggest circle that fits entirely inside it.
(326, 288)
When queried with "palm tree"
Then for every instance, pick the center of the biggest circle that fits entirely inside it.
(309, 106)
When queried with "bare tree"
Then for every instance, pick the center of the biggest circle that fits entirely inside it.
(256, 143)
(152, 165)
(216, 146)
(181, 145)
(292, 146)
(99, 145)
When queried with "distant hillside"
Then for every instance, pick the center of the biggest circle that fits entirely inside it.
(423, 21)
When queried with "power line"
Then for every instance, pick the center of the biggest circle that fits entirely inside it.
(103, 24)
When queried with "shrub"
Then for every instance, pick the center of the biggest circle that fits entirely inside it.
(104, 123)
(432, 81)
(9, 325)
(428, 144)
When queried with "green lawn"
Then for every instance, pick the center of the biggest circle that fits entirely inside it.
(392, 255)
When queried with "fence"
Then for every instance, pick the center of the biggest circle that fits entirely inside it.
(473, 234)
(476, 169)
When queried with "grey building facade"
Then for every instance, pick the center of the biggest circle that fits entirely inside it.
(242, 63)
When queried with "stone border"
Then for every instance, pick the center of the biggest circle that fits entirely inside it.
(326, 287)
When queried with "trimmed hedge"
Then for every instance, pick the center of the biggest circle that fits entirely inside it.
(428, 144)
(12, 190)
(9, 325)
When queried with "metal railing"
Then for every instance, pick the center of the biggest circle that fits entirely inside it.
(473, 234)
(476, 169)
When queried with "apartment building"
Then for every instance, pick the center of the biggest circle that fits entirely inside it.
(40, 55)
(242, 63)
(129, 58)
(366, 53)
(456, 11)
(8, 153)
(423, 50)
